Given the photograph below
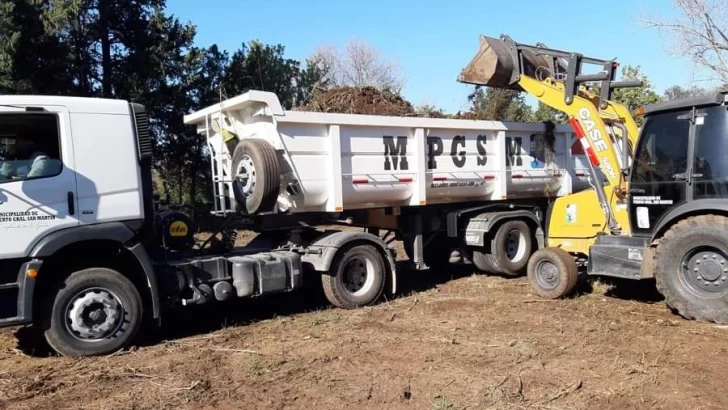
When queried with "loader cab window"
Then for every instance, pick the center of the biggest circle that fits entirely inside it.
(663, 148)
(710, 164)
(29, 146)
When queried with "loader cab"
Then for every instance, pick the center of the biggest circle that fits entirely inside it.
(681, 162)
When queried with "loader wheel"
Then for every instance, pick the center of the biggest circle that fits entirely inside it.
(691, 268)
(92, 312)
(552, 273)
(356, 278)
(257, 176)
(510, 247)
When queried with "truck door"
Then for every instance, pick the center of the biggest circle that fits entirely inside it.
(37, 181)
(659, 172)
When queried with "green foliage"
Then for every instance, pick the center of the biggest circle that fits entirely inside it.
(545, 113)
(499, 104)
(636, 97)
(677, 92)
(133, 50)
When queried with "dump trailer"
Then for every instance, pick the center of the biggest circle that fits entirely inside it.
(657, 207)
(90, 254)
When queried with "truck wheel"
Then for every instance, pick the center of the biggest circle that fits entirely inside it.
(94, 311)
(552, 272)
(691, 268)
(356, 277)
(484, 262)
(511, 247)
(257, 175)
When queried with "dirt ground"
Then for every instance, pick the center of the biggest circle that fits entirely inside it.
(452, 340)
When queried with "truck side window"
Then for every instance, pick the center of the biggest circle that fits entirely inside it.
(710, 164)
(663, 149)
(29, 146)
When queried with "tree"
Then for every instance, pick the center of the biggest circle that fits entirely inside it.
(677, 92)
(499, 104)
(360, 65)
(545, 113)
(698, 34)
(635, 97)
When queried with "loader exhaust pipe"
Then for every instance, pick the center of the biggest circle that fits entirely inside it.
(497, 64)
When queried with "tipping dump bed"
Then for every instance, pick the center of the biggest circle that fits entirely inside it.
(336, 162)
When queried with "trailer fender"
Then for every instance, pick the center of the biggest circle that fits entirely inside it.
(321, 252)
(480, 225)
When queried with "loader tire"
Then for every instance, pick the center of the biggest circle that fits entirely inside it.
(691, 268)
(92, 312)
(510, 248)
(356, 278)
(552, 273)
(257, 175)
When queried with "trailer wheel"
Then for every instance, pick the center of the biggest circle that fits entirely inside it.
(691, 268)
(92, 312)
(257, 174)
(484, 261)
(356, 278)
(511, 247)
(552, 273)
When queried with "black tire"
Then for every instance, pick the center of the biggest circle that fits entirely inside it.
(341, 283)
(552, 273)
(99, 285)
(484, 262)
(501, 259)
(691, 268)
(262, 193)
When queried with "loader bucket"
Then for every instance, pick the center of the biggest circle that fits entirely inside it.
(496, 64)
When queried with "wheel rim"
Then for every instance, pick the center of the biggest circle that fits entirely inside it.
(94, 314)
(515, 245)
(245, 173)
(704, 271)
(358, 275)
(547, 275)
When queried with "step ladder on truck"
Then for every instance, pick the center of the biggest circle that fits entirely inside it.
(658, 204)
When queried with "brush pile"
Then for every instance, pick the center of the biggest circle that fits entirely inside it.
(359, 100)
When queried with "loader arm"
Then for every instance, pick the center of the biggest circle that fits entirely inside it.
(605, 128)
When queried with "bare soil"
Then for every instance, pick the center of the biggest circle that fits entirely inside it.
(453, 340)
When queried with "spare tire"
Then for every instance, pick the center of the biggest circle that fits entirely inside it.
(256, 176)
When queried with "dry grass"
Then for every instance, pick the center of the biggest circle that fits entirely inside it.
(455, 340)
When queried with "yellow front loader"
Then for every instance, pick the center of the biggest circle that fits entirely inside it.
(653, 210)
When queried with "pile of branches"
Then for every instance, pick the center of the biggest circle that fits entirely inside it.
(359, 100)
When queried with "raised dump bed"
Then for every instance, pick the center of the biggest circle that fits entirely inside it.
(269, 160)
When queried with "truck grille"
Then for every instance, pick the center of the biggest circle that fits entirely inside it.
(144, 138)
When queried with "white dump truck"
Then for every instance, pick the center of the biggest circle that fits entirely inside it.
(89, 255)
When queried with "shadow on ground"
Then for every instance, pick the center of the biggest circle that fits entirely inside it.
(195, 320)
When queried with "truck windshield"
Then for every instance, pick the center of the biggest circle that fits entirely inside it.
(663, 148)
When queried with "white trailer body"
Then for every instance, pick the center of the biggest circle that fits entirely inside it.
(338, 162)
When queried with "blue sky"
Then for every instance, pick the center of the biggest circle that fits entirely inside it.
(434, 40)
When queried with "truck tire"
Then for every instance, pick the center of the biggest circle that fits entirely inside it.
(92, 312)
(510, 247)
(484, 262)
(257, 175)
(552, 273)
(356, 278)
(691, 268)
